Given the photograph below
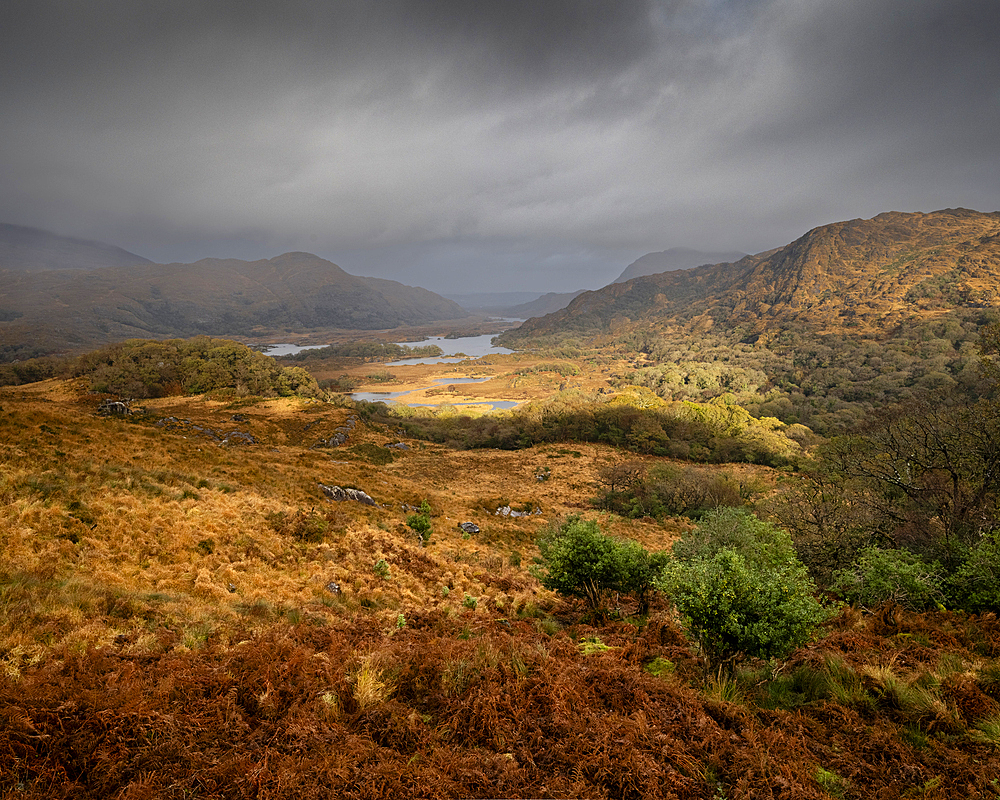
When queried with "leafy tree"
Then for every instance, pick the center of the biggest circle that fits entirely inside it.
(579, 561)
(740, 590)
(975, 585)
(891, 576)
(929, 473)
(146, 368)
(420, 523)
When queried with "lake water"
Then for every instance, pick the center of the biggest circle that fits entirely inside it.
(472, 346)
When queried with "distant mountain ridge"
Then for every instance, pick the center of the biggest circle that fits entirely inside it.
(673, 259)
(864, 276)
(34, 249)
(546, 304)
(219, 297)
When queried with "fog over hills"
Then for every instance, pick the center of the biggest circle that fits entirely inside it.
(219, 297)
(860, 276)
(674, 258)
(34, 249)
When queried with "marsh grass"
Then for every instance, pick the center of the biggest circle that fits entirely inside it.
(371, 685)
(988, 730)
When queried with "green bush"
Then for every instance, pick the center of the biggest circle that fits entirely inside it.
(420, 523)
(143, 368)
(975, 586)
(740, 590)
(579, 561)
(890, 576)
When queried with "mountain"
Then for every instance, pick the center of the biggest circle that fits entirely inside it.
(492, 302)
(56, 310)
(672, 259)
(864, 276)
(546, 304)
(33, 249)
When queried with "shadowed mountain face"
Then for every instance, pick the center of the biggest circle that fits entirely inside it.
(672, 259)
(862, 276)
(218, 297)
(33, 250)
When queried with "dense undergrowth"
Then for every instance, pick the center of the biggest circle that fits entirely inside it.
(716, 432)
(827, 381)
(897, 705)
(187, 617)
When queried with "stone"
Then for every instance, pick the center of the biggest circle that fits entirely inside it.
(340, 494)
(469, 527)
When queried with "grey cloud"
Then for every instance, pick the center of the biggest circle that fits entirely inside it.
(406, 136)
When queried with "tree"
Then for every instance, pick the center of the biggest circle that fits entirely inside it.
(891, 576)
(929, 472)
(420, 523)
(740, 590)
(579, 561)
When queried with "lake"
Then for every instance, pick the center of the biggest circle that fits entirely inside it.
(472, 346)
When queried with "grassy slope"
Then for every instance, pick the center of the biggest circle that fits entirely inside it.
(166, 633)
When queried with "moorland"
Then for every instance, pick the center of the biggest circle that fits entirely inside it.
(724, 546)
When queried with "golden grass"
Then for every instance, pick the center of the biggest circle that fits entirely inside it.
(113, 529)
(371, 686)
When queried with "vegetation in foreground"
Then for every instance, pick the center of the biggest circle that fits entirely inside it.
(187, 613)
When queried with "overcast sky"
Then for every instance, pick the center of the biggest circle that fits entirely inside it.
(490, 145)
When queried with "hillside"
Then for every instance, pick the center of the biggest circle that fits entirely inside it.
(34, 249)
(546, 304)
(59, 310)
(862, 276)
(673, 259)
(186, 611)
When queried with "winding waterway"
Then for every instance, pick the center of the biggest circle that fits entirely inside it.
(471, 347)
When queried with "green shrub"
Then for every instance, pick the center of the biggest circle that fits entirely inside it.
(890, 576)
(580, 561)
(740, 590)
(145, 368)
(421, 523)
(975, 586)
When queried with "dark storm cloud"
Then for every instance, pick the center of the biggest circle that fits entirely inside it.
(456, 143)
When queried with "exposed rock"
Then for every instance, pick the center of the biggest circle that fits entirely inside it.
(399, 446)
(237, 437)
(340, 494)
(114, 408)
(469, 527)
(507, 511)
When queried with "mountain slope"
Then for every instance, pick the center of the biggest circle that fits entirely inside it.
(672, 259)
(861, 275)
(546, 304)
(218, 297)
(34, 249)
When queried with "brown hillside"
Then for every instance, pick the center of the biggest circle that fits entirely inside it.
(863, 275)
(295, 291)
(185, 613)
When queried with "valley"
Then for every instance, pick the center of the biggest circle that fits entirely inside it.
(223, 575)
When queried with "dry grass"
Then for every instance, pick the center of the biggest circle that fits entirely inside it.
(114, 528)
(163, 608)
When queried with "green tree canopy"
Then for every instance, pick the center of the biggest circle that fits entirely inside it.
(740, 589)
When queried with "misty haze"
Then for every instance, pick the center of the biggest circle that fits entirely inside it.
(481, 399)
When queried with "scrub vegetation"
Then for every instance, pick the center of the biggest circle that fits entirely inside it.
(676, 598)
